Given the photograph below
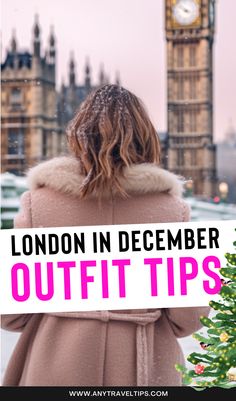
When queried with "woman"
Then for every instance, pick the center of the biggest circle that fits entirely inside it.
(112, 177)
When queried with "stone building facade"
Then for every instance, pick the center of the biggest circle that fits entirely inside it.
(34, 113)
(30, 130)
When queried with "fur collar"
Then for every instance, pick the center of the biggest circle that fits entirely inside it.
(62, 174)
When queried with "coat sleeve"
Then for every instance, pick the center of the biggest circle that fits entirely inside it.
(186, 211)
(185, 321)
(15, 322)
(22, 220)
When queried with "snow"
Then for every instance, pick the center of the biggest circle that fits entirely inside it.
(201, 210)
(8, 179)
(10, 202)
(8, 216)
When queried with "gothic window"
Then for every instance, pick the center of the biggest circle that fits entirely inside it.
(16, 96)
(193, 157)
(193, 87)
(180, 56)
(44, 143)
(180, 157)
(193, 121)
(180, 93)
(16, 143)
(180, 121)
(192, 55)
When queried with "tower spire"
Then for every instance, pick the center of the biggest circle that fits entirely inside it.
(63, 85)
(36, 40)
(13, 42)
(72, 70)
(117, 78)
(87, 74)
(102, 75)
(52, 50)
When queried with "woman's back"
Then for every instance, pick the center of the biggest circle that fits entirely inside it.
(113, 178)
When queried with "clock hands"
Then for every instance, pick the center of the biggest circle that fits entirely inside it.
(185, 9)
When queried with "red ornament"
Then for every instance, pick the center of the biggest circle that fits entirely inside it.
(199, 369)
(216, 199)
(224, 282)
(203, 345)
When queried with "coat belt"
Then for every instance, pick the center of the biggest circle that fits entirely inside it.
(140, 319)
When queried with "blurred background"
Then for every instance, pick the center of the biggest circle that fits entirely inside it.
(176, 55)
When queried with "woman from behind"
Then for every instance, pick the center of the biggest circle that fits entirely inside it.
(113, 176)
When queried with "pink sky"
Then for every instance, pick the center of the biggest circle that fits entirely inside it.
(124, 35)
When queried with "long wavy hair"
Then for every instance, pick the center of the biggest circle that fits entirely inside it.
(110, 131)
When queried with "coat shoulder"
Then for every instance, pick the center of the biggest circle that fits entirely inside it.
(63, 174)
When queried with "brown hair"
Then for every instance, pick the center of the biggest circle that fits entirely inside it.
(111, 130)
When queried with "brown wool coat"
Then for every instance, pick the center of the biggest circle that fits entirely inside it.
(119, 348)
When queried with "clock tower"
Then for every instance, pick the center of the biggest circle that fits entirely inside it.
(189, 36)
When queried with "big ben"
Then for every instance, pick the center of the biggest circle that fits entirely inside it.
(189, 38)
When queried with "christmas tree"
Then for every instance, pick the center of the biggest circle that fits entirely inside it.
(216, 365)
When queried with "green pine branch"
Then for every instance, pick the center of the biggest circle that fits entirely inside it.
(219, 344)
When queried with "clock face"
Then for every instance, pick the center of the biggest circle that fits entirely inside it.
(185, 12)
